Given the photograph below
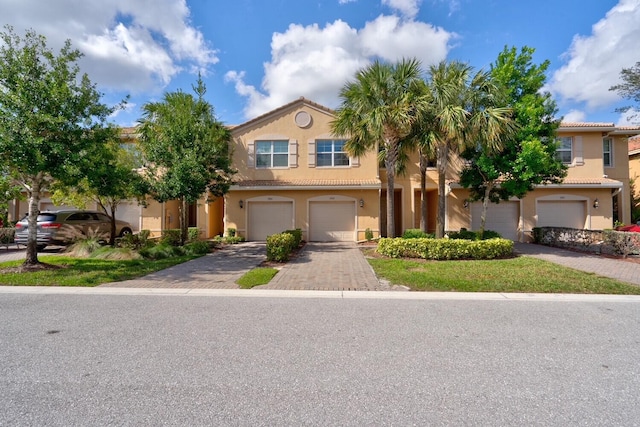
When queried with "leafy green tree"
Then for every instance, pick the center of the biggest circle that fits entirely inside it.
(113, 179)
(49, 118)
(378, 111)
(526, 157)
(463, 111)
(630, 86)
(186, 149)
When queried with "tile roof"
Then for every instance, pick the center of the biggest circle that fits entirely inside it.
(634, 144)
(589, 181)
(585, 124)
(311, 183)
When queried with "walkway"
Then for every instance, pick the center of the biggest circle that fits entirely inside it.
(618, 269)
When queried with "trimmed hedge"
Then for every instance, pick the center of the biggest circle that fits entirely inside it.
(445, 249)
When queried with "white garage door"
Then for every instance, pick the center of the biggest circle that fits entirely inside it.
(267, 218)
(131, 213)
(501, 217)
(562, 214)
(332, 221)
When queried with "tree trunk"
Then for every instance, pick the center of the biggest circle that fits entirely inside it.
(485, 206)
(112, 232)
(443, 157)
(423, 193)
(183, 220)
(32, 239)
(390, 163)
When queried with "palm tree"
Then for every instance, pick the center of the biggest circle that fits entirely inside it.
(464, 110)
(378, 110)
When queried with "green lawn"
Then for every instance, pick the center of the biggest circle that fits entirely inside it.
(257, 276)
(521, 274)
(83, 271)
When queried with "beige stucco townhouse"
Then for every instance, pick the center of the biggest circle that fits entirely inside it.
(294, 173)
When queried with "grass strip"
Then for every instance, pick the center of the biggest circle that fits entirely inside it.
(84, 271)
(256, 277)
(521, 274)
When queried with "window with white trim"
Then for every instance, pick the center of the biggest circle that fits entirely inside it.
(564, 150)
(331, 153)
(272, 154)
(607, 152)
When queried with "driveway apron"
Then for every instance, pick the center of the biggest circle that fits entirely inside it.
(335, 266)
(218, 270)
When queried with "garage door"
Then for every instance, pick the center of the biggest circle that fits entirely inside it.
(131, 213)
(562, 214)
(267, 218)
(501, 217)
(332, 221)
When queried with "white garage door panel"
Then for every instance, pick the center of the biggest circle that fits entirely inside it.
(501, 217)
(561, 214)
(267, 218)
(131, 213)
(332, 221)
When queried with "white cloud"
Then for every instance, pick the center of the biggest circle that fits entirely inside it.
(316, 62)
(594, 62)
(129, 45)
(575, 116)
(630, 117)
(408, 8)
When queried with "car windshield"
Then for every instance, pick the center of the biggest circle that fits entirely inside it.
(46, 217)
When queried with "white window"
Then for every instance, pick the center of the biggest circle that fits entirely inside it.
(607, 152)
(564, 152)
(330, 153)
(272, 154)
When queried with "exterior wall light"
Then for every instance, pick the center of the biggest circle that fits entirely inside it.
(465, 203)
(596, 203)
(362, 203)
(241, 203)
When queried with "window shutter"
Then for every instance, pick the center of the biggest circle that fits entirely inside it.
(312, 154)
(355, 161)
(578, 157)
(293, 153)
(251, 155)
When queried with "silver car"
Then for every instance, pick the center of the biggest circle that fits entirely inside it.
(64, 226)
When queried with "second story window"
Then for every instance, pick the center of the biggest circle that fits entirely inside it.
(607, 152)
(272, 154)
(330, 152)
(564, 150)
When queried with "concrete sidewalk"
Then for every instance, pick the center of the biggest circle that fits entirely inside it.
(614, 268)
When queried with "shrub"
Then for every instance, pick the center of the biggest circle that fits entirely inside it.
(162, 251)
(233, 240)
(198, 247)
(536, 234)
(415, 233)
(297, 236)
(193, 233)
(170, 237)
(445, 249)
(231, 232)
(116, 254)
(368, 235)
(279, 247)
(135, 241)
(463, 234)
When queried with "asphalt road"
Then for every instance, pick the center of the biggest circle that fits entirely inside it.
(242, 361)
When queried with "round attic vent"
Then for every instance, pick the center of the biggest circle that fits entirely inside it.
(303, 119)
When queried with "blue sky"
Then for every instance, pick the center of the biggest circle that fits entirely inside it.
(256, 55)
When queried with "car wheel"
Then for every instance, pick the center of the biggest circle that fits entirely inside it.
(125, 231)
(40, 247)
